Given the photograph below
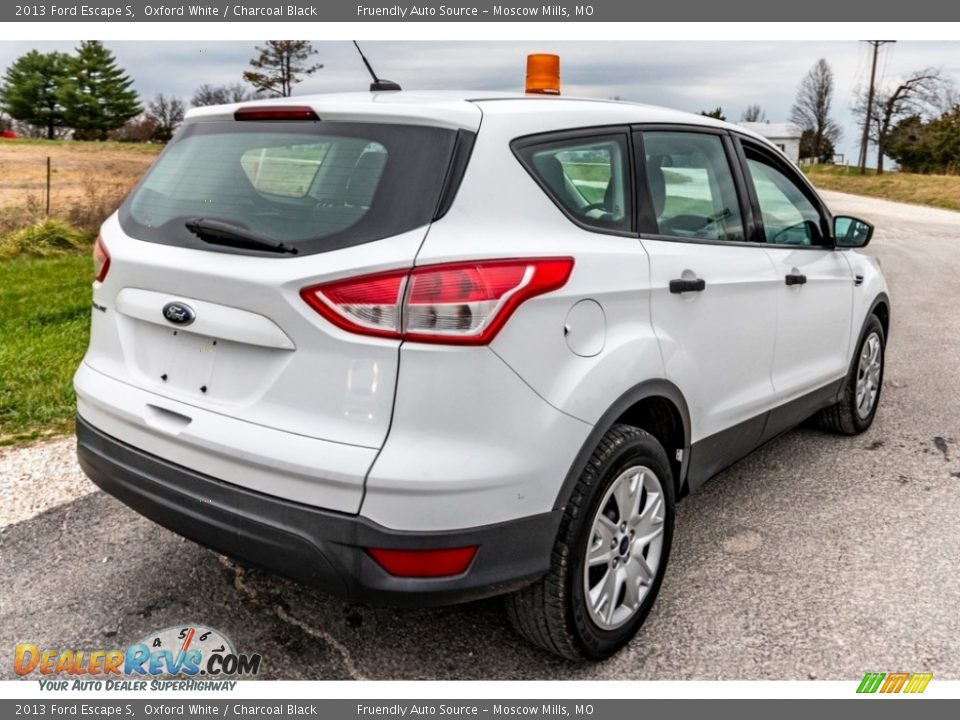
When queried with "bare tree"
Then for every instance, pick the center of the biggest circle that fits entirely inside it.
(279, 66)
(811, 109)
(220, 94)
(166, 112)
(753, 113)
(922, 93)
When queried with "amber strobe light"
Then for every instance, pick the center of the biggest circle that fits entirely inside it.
(543, 74)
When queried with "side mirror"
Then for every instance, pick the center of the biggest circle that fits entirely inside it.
(851, 232)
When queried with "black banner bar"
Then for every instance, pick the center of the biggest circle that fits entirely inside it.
(852, 709)
(467, 11)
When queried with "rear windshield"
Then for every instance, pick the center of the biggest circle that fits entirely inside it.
(315, 186)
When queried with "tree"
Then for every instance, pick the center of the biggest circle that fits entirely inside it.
(715, 113)
(753, 113)
(219, 95)
(920, 93)
(166, 114)
(811, 111)
(140, 129)
(97, 97)
(31, 90)
(927, 146)
(821, 150)
(280, 66)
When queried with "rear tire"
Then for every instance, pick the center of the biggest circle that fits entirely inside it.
(861, 391)
(620, 520)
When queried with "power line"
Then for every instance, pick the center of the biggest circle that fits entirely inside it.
(869, 110)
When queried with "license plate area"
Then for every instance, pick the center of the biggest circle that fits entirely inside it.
(190, 362)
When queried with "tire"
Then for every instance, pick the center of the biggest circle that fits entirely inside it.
(847, 417)
(554, 612)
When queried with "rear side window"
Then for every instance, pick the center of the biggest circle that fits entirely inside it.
(314, 186)
(588, 178)
(691, 186)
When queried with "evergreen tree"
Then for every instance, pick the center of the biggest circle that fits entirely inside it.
(716, 113)
(279, 67)
(31, 88)
(97, 96)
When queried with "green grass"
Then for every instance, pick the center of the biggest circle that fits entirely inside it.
(88, 145)
(44, 325)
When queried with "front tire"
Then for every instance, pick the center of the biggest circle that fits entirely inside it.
(861, 391)
(610, 554)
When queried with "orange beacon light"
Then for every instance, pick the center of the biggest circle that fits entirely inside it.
(543, 74)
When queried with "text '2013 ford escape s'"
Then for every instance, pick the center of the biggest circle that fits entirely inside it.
(423, 349)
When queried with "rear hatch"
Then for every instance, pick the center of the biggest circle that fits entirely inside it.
(201, 302)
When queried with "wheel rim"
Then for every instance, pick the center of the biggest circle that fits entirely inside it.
(868, 375)
(624, 547)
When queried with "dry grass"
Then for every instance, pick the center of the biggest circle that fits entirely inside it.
(941, 191)
(88, 182)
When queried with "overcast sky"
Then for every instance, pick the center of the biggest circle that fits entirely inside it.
(690, 76)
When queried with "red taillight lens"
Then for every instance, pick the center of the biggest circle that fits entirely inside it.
(279, 112)
(424, 563)
(101, 260)
(369, 305)
(454, 303)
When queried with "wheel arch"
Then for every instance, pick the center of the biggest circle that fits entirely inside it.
(881, 308)
(656, 406)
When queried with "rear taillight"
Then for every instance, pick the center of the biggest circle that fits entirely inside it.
(464, 303)
(101, 260)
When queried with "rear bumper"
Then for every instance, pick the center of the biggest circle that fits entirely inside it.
(317, 547)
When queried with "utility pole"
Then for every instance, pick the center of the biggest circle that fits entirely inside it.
(869, 113)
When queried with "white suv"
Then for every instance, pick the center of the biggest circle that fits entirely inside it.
(429, 348)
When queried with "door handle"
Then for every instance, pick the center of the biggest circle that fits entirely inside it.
(682, 286)
(796, 279)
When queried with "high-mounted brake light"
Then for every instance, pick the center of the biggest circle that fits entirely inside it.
(278, 112)
(101, 260)
(424, 563)
(543, 74)
(464, 303)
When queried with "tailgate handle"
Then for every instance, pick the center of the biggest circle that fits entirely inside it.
(166, 420)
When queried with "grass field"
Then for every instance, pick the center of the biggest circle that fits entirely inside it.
(941, 191)
(44, 325)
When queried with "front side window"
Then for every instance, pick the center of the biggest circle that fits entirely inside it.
(586, 177)
(788, 215)
(691, 186)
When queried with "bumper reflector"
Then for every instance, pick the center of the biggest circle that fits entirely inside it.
(424, 563)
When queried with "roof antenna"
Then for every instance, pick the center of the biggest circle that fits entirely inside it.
(377, 83)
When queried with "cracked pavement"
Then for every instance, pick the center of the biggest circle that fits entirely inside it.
(816, 557)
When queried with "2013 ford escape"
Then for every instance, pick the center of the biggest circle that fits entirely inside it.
(429, 348)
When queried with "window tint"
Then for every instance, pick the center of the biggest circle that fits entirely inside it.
(788, 216)
(318, 186)
(691, 186)
(586, 177)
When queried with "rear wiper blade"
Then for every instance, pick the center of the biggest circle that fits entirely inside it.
(216, 232)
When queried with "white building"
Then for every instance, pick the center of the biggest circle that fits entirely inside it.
(785, 136)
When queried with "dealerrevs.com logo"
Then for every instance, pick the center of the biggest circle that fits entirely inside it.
(891, 683)
(190, 651)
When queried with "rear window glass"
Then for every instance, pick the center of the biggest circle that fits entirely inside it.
(314, 186)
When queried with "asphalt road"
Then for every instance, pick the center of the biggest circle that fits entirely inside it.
(816, 557)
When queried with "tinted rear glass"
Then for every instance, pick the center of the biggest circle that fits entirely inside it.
(316, 186)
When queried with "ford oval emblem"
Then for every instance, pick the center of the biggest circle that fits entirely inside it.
(179, 313)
